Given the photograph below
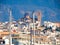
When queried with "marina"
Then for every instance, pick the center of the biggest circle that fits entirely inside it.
(30, 32)
(29, 22)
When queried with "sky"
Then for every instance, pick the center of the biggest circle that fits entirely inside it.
(50, 9)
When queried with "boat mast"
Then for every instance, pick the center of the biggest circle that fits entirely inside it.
(34, 26)
(10, 22)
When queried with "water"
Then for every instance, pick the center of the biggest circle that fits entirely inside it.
(15, 42)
